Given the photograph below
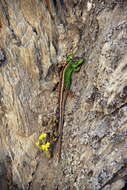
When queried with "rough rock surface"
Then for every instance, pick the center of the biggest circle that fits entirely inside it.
(35, 37)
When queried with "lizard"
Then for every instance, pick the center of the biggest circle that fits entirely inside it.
(65, 84)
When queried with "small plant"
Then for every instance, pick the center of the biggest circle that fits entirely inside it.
(43, 142)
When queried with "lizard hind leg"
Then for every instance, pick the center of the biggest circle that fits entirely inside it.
(71, 93)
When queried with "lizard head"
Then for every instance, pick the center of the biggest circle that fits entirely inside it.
(75, 63)
(69, 58)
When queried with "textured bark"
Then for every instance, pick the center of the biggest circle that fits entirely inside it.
(35, 37)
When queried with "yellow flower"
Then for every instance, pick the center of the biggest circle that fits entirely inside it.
(42, 136)
(45, 147)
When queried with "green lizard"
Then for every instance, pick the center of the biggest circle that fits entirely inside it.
(65, 84)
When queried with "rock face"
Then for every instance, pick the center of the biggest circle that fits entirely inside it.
(35, 37)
